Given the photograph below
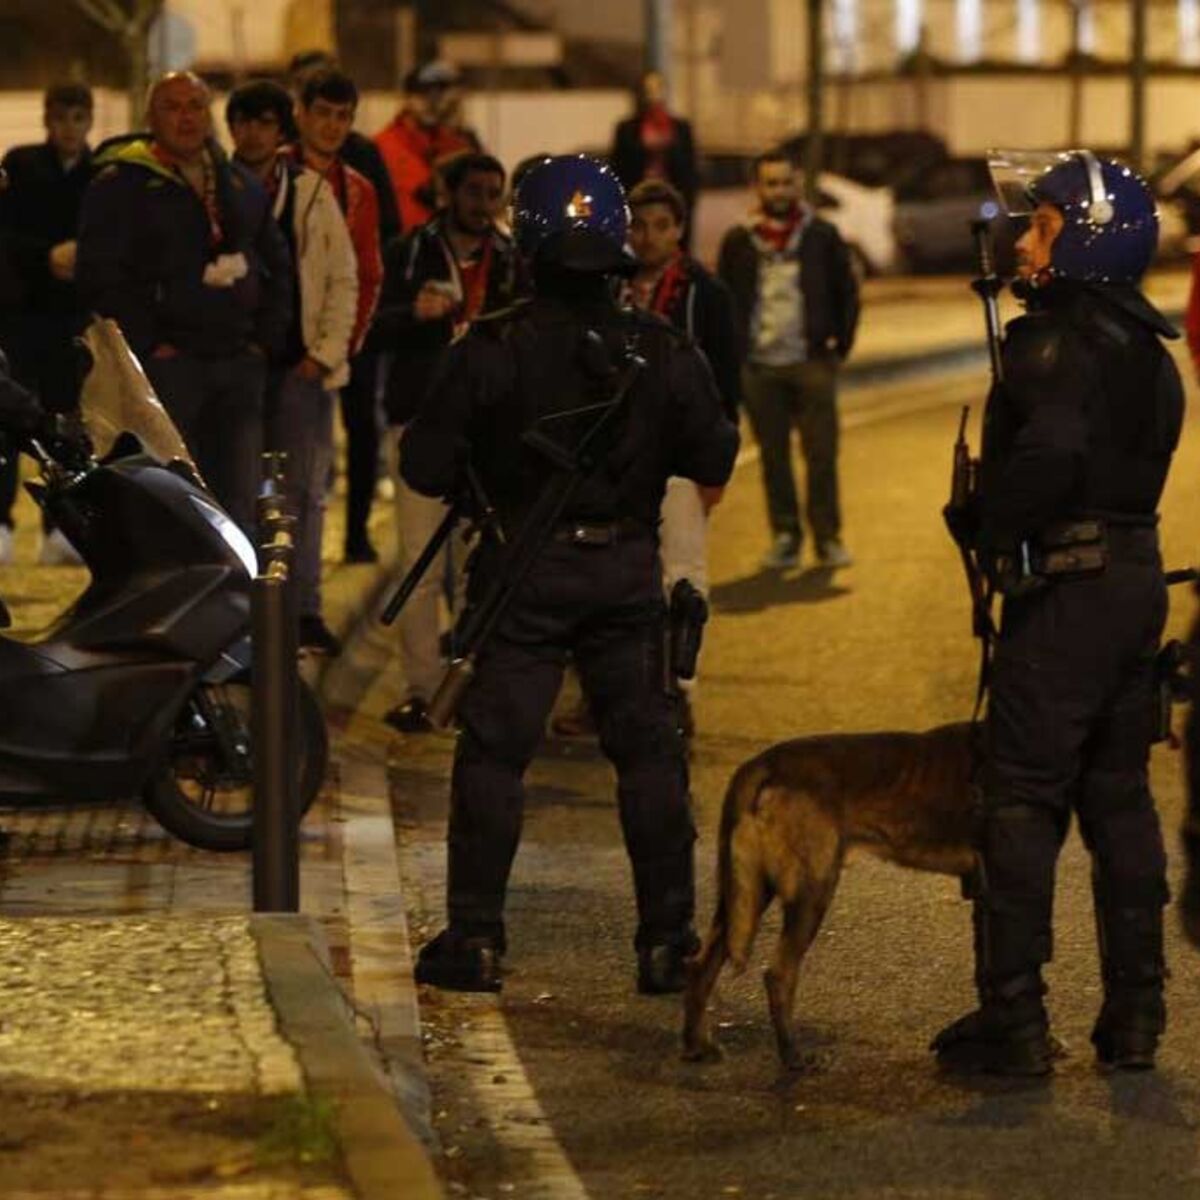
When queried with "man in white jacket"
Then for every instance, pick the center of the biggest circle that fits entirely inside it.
(304, 383)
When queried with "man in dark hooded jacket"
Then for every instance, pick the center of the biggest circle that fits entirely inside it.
(178, 245)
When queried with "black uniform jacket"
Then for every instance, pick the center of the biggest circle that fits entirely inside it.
(1088, 416)
(515, 368)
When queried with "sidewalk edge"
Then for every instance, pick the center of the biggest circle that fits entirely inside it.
(383, 1157)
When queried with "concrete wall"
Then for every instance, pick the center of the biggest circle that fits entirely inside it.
(512, 125)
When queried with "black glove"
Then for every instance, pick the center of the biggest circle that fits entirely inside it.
(963, 521)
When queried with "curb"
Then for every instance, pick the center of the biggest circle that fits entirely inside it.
(383, 1158)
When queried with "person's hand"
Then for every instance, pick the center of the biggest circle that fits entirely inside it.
(710, 497)
(310, 370)
(164, 350)
(62, 261)
(432, 304)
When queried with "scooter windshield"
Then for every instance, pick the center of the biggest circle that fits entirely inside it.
(117, 398)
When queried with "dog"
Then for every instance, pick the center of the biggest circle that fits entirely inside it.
(791, 815)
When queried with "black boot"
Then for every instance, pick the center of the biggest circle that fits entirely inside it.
(461, 961)
(1009, 1033)
(1134, 1013)
(661, 965)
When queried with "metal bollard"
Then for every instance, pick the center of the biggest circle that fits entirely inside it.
(276, 842)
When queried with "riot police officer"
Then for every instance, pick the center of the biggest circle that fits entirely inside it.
(594, 592)
(1078, 439)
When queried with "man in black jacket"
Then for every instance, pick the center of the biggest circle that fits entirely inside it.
(437, 280)
(655, 144)
(796, 300)
(39, 211)
(178, 245)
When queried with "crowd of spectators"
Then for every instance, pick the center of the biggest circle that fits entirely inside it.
(314, 262)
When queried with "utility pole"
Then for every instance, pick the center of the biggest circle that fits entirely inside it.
(129, 21)
(814, 142)
(658, 39)
(1137, 87)
(1075, 65)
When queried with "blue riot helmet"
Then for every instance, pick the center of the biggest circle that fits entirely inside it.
(570, 212)
(1110, 227)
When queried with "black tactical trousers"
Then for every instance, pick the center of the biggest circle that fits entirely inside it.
(602, 605)
(1069, 727)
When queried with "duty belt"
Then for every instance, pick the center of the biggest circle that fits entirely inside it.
(1074, 549)
(607, 533)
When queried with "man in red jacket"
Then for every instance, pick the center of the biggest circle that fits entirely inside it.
(423, 133)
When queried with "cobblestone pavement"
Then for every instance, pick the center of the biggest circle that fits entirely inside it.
(185, 1011)
(140, 1058)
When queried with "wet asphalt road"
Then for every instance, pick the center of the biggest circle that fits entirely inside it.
(884, 644)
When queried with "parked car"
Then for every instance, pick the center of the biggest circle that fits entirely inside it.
(1176, 184)
(888, 159)
(862, 215)
(934, 212)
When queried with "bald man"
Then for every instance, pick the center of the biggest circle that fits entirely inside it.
(178, 245)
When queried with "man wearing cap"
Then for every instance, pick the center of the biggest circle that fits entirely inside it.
(424, 132)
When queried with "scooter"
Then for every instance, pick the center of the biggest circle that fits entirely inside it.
(142, 687)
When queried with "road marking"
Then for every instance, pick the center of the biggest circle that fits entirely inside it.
(380, 953)
(494, 1071)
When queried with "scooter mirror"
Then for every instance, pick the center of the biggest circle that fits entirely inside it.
(5, 616)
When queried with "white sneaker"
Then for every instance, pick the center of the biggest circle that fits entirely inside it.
(57, 551)
(833, 554)
(6, 545)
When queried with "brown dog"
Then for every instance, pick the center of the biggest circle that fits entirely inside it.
(791, 816)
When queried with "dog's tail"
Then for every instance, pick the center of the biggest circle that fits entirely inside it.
(742, 887)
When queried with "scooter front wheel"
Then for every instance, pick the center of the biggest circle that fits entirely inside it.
(204, 791)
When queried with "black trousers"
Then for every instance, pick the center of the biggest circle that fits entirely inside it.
(1069, 728)
(603, 607)
(802, 397)
(361, 420)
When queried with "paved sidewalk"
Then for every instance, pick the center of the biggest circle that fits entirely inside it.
(157, 1041)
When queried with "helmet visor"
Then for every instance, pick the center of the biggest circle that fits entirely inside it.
(1014, 172)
